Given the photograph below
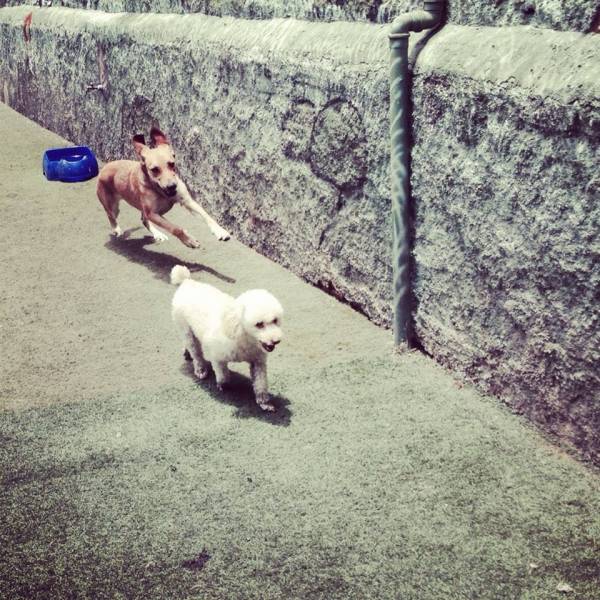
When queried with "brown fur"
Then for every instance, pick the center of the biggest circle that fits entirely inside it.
(152, 186)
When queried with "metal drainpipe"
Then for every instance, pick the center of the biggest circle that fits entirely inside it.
(400, 161)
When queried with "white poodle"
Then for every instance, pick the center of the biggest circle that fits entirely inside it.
(219, 329)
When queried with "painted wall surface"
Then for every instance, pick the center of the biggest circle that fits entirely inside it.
(281, 130)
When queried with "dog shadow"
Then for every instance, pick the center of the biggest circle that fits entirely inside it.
(135, 250)
(239, 393)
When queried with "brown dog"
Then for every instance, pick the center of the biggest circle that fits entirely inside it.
(152, 186)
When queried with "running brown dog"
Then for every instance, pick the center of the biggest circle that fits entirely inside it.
(152, 186)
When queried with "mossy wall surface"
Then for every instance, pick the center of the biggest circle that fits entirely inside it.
(281, 131)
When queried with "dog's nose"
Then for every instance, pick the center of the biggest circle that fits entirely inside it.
(171, 189)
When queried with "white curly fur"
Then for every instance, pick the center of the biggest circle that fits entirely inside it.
(219, 329)
(179, 273)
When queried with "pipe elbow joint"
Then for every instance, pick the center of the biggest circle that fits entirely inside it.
(418, 20)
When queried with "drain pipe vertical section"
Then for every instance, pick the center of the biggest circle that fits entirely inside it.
(400, 160)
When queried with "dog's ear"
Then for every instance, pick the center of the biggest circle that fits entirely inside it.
(232, 320)
(158, 137)
(139, 143)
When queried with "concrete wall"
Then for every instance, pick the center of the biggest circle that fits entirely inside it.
(507, 189)
(562, 15)
(281, 128)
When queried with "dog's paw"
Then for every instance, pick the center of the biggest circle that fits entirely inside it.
(264, 402)
(190, 242)
(160, 237)
(220, 234)
(201, 373)
(116, 232)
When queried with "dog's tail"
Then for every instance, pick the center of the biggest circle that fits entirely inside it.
(179, 273)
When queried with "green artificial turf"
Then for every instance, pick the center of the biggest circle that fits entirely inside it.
(376, 479)
(122, 477)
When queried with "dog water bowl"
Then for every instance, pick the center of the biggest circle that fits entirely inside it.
(77, 163)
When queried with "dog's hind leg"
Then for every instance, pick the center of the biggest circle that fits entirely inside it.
(110, 202)
(194, 349)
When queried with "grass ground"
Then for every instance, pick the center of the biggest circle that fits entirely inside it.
(123, 477)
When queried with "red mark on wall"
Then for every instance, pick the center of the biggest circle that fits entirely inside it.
(26, 26)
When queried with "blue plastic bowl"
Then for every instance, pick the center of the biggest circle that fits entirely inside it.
(70, 164)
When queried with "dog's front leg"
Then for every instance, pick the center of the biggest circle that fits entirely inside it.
(178, 232)
(258, 372)
(222, 373)
(188, 202)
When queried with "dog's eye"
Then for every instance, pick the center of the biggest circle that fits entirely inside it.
(276, 321)
(171, 166)
(260, 325)
(155, 171)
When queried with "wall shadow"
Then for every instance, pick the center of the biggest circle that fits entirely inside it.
(239, 394)
(136, 250)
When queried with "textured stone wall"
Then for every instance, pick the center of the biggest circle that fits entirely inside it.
(507, 190)
(281, 129)
(563, 15)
